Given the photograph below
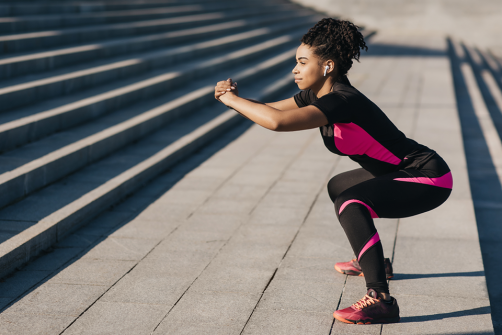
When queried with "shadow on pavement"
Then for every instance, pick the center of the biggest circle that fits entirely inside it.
(484, 183)
(440, 316)
(404, 276)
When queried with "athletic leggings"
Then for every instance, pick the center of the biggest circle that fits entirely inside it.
(359, 197)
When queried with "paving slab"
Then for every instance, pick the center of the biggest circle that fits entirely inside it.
(57, 300)
(33, 324)
(118, 318)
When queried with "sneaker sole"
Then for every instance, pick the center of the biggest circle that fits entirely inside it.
(365, 322)
(349, 272)
(354, 273)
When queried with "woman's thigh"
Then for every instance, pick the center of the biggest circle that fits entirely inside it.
(346, 180)
(390, 198)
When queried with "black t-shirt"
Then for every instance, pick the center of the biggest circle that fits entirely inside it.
(359, 129)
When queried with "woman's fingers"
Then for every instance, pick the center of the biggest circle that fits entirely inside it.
(225, 86)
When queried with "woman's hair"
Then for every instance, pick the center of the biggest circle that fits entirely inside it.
(338, 40)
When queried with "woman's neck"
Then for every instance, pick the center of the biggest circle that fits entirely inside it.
(326, 87)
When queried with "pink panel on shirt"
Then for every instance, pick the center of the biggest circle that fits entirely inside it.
(351, 139)
(445, 181)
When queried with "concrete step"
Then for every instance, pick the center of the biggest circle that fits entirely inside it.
(47, 39)
(11, 25)
(45, 168)
(29, 63)
(20, 8)
(34, 122)
(80, 197)
(20, 91)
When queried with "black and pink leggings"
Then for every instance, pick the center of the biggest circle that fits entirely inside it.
(359, 197)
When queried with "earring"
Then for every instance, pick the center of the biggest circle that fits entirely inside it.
(326, 69)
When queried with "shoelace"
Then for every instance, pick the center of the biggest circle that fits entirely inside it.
(365, 302)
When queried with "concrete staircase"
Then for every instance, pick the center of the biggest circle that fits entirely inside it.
(99, 97)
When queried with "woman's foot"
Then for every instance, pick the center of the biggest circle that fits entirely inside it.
(370, 309)
(352, 268)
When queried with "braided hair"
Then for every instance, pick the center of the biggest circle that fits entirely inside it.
(338, 40)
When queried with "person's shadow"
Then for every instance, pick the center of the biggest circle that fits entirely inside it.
(440, 316)
(403, 276)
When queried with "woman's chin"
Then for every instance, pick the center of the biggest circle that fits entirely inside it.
(300, 86)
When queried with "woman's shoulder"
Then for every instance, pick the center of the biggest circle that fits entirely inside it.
(305, 98)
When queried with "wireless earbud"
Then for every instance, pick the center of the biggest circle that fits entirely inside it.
(326, 69)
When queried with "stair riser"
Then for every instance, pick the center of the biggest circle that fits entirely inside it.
(105, 50)
(35, 94)
(28, 182)
(32, 131)
(27, 8)
(85, 36)
(51, 231)
(59, 22)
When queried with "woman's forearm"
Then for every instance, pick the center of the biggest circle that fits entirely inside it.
(256, 111)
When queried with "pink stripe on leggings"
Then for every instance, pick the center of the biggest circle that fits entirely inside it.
(445, 181)
(368, 245)
(372, 212)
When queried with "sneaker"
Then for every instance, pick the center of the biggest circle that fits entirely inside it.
(370, 309)
(352, 268)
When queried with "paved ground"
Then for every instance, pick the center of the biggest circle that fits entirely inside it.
(242, 237)
(478, 23)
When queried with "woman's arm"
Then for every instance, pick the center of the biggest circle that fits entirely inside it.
(275, 119)
(281, 105)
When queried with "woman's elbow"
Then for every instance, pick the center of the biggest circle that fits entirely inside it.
(276, 125)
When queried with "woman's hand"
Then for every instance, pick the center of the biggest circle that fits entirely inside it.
(223, 87)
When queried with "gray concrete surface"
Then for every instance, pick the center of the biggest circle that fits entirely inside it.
(241, 237)
(59, 208)
(245, 242)
(476, 23)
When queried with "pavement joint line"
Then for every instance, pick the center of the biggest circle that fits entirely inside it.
(339, 302)
(294, 238)
(293, 159)
(395, 241)
(261, 295)
(110, 287)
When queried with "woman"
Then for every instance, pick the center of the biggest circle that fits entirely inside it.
(398, 177)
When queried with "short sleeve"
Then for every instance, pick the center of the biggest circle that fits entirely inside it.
(334, 106)
(304, 98)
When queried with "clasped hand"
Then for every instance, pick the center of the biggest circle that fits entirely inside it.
(225, 87)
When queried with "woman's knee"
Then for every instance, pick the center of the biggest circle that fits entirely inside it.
(334, 189)
(350, 199)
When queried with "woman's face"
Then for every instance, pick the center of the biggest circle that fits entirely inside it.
(309, 72)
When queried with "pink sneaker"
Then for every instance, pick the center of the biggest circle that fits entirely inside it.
(352, 268)
(370, 309)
